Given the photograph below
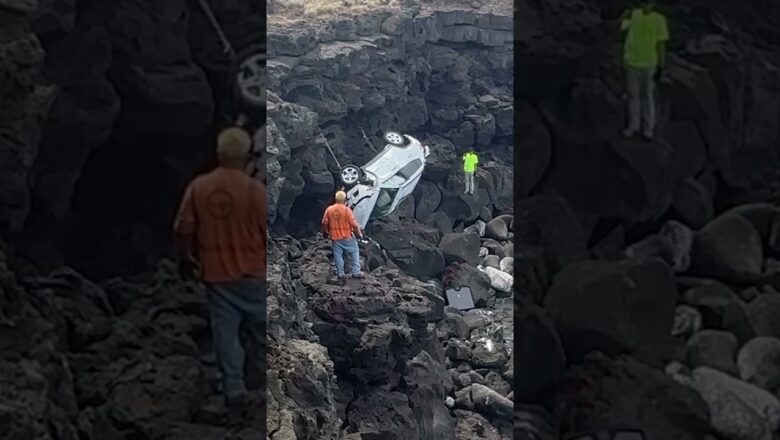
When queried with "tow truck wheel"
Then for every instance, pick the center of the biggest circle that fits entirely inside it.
(394, 138)
(350, 174)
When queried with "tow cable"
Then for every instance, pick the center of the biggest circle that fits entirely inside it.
(368, 141)
(226, 46)
(330, 150)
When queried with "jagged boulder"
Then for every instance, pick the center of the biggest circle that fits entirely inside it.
(460, 248)
(759, 363)
(541, 358)
(737, 409)
(614, 306)
(27, 100)
(607, 176)
(301, 388)
(498, 228)
(729, 248)
(672, 244)
(383, 413)
(715, 349)
(720, 307)
(413, 250)
(626, 392)
(550, 222)
(761, 313)
(430, 384)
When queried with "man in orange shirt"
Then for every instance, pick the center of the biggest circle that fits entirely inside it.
(338, 223)
(221, 224)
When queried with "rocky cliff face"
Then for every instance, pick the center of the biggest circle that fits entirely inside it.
(26, 100)
(383, 356)
(380, 356)
(647, 263)
(94, 91)
(718, 109)
(443, 76)
(107, 108)
(119, 360)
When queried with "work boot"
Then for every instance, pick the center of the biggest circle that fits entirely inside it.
(342, 276)
(358, 275)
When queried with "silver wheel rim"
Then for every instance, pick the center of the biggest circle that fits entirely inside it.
(349, 175)
(394, 138)
(251, 78)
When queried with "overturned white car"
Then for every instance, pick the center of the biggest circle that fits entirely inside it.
(378, 187)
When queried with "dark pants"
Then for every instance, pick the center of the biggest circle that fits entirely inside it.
(231, 305)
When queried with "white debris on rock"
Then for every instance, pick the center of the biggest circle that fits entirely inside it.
(687, 321)
(498, 280)
(507, 265)
(450, 402)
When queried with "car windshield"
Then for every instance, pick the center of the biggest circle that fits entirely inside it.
(408, 171)
(384, 202)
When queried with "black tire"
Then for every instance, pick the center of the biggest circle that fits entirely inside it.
(351, 174)
(395, 138)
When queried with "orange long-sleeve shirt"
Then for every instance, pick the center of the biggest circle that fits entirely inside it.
(225, 210)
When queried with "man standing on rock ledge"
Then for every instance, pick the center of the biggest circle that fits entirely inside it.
(222, 220)
(644, 55)
(470, 161)
(338, 224)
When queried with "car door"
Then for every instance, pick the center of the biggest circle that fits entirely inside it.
(362, 200)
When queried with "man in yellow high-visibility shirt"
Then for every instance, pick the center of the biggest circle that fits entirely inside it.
(470, 161)
(644, 56)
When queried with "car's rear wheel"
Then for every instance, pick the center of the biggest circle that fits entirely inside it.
(249, 77)
(351, 174)
(394, 138)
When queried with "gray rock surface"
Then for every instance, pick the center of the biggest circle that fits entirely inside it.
(715, 349)
(460, 248)
(614, 306)
(759, 363)
(464, 96)
(738, 410)
(489, 402)
(729, 248)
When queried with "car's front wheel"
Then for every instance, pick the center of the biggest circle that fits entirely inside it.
(394, 138)
(351, 174)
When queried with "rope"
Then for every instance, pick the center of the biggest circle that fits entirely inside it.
(327, 145)
(228, 48)
(368, 141)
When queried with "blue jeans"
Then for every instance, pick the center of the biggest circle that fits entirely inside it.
(641, 99)
(469, 177)
(350, 246)
(232, 304)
